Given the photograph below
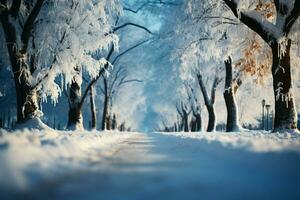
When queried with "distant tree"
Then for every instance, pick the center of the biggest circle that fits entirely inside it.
(209, 100)
(230, 90)
(93, 109)
(117, 78)
(114, 123)
(76, 102)
(184, 113)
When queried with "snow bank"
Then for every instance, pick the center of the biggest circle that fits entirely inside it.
(252, 141)
(29, 156)
(34, 123)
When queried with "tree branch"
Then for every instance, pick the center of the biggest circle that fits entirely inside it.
(55, 59)
(207, 101)
(102, 70)
(254, 21)
(3, 7)
(30, 23)
(159, 2)
(15, 7)
(131, 24)
(130, 80)
(178, 110)
(136, 10)
(127, 51)
(290, 19)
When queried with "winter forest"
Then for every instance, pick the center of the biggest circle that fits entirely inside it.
(149, 99)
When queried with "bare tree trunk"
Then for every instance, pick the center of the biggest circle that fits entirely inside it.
(114, 124)
(211, 119)
(198, 122)
(193, 125)
(105, 105)
(184, 114)
(229, 96)
(209, 102)
(75, 115)
(186, 123)
(175, 127)
(285, 112)
(108, 122)
(93, 110)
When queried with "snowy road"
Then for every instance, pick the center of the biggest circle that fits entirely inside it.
(155, 166)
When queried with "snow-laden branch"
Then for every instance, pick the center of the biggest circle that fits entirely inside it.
(287, 12)
(131, 24)
(128, 50)
(147, 3)
(255, 21)
(291, 17)
(54, 61)
(101, 72)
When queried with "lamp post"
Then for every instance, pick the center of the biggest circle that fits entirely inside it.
(263, 103)
(268, 108)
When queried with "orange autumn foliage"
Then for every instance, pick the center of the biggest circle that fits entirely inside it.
(256, 60)
(267, 9)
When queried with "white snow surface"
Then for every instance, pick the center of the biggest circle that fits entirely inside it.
(29, 155)
(256, 141)
(48, 164)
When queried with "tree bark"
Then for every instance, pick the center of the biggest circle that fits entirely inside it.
(114, 124)
(209, 102)
(211, 119)
(184, 114)
(105, 105)
(26, 97)
(108, 122)
(186, 123)
(27, 104)
(75, 115)
(193, 124)
(93, 108)
(198, 121)
(229, 96)
(285, 112)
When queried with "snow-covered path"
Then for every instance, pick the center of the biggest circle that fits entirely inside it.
(156, 166)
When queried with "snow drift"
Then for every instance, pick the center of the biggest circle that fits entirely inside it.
(30, 156)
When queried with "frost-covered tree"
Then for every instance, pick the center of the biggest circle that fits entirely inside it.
(17, 39)
(216, 34)
(46, 38)
(77, 94)
(276, 32)
(204, 44)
